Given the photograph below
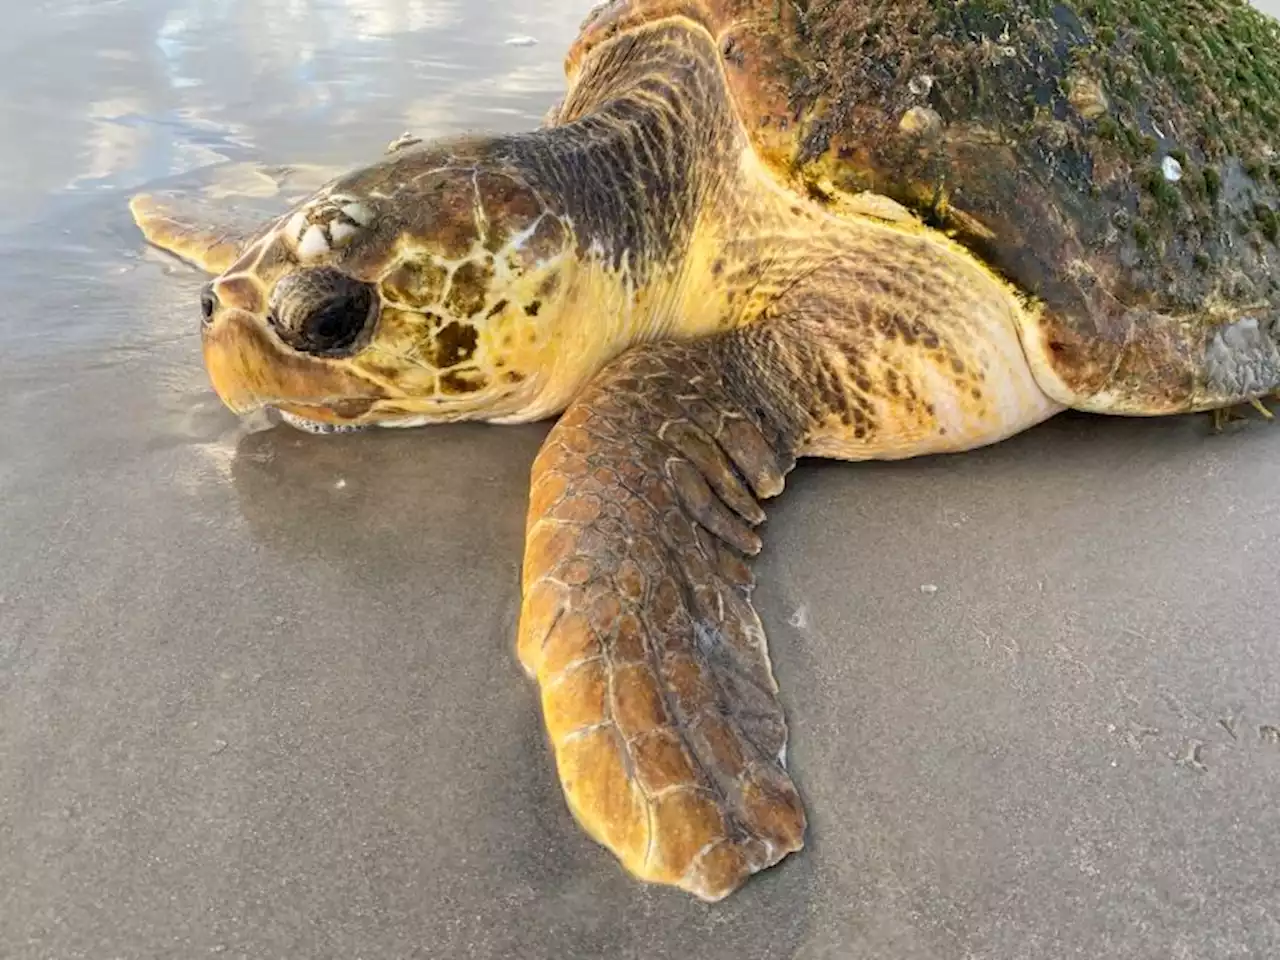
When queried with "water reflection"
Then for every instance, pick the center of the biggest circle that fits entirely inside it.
(161, 88)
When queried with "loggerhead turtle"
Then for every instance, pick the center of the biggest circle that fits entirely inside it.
(754, 231)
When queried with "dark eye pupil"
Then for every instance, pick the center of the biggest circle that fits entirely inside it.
(328, 325)
(337, 324)
(321, 311)
(208, 303)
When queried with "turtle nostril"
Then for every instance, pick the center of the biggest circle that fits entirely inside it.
(208, 303)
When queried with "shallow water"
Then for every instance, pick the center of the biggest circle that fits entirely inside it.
(258, 695)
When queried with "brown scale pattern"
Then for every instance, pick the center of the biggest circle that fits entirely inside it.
(656, 685)
(880, 315)
(415, 283)
(642, 143)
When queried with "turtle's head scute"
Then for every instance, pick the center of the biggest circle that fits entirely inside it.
(420, 289)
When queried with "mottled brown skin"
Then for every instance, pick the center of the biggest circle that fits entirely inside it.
(637, 620)
(640, 266)
(1050, 122)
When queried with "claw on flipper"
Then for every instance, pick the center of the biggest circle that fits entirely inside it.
(1225, 415)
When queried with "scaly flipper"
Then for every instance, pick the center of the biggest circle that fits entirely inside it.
(657, 690)
(637, 623)
(187, 230)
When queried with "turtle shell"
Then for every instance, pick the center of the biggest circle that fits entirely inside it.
(1111, 158)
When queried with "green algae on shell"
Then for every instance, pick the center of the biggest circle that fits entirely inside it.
(1057, 120)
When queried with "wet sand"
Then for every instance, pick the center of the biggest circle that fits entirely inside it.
(258, 693)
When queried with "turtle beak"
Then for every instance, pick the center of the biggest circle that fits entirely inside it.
(250, 368)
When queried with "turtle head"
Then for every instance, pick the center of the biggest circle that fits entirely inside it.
(423, 288)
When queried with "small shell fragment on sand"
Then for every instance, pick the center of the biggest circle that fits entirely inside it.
(520, 41)
(1191, 757)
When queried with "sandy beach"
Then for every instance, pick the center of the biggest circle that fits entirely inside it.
(258, 691)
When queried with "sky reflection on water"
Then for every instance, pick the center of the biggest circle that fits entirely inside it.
(323, 81)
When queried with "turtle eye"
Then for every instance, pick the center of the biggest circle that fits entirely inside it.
(322, 311)
(208, 303)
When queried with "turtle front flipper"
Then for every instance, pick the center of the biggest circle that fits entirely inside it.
(657, 690)
(188, 231)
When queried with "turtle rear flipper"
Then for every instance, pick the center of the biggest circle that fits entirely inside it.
(188, 230)
(1139, 362)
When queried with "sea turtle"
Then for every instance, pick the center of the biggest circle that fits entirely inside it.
(754, 231)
